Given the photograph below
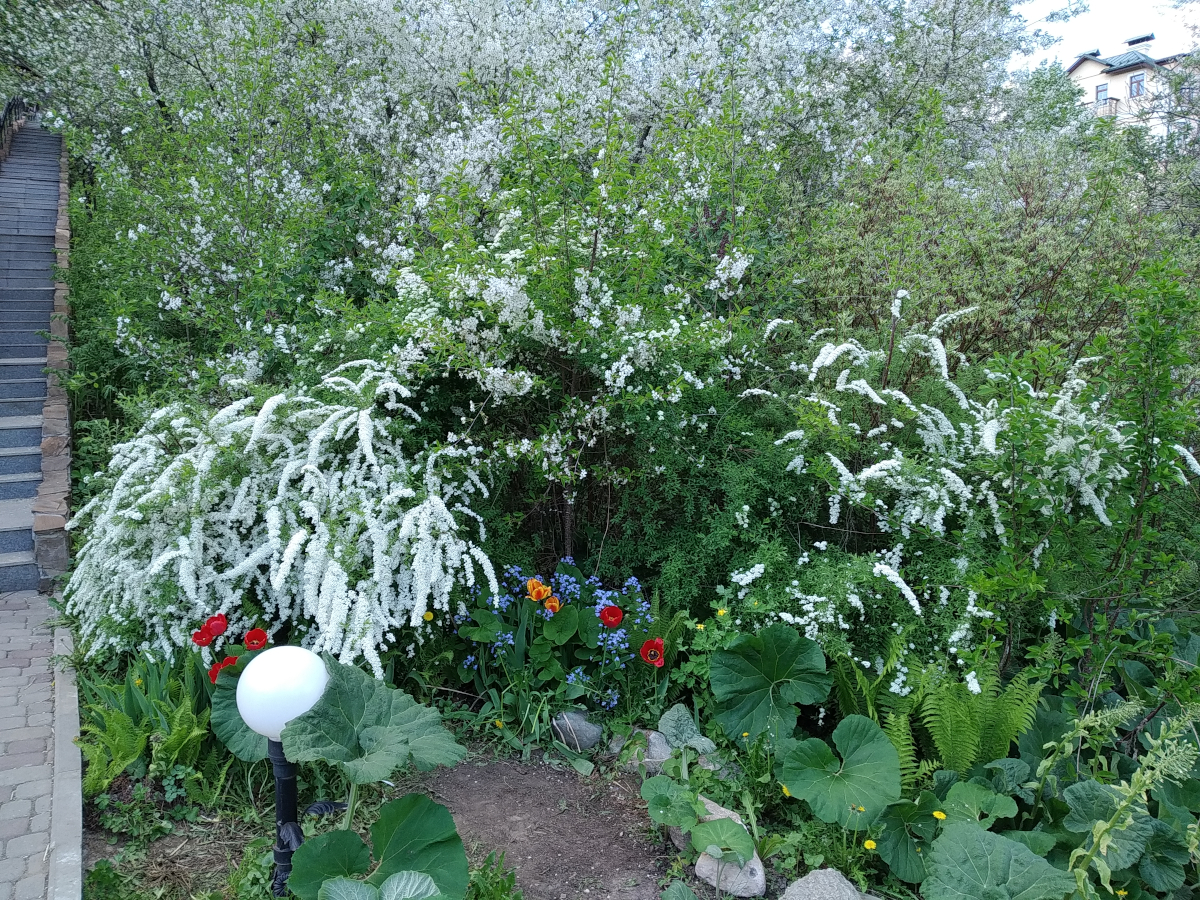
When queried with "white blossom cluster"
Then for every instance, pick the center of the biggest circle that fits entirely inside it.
(312, 509)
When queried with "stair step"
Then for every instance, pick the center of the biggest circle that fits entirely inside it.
(20, 460)
(16, 526)
(23, 485)
(27, 406)
(22, 388)
(21, 431)
(18, 572)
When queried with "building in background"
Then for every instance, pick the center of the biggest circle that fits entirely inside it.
(1131, 86)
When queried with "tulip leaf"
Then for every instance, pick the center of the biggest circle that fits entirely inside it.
(760, 678)
(968, 863)
(368, 729)
(852, 791)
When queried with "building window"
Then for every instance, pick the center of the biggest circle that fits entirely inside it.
(1101, 93)
(1137, 84)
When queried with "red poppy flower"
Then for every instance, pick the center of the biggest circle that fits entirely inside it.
(217, 667)
(537, 591)
(611, 616)
(203, 637)
(217, 624)
(652, 652)
(256, 639)
(553, 605)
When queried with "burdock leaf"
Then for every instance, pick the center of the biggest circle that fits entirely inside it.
(368, 729)
(968, 863)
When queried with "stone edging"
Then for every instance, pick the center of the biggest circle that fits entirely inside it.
(50, 545)
(66, 804)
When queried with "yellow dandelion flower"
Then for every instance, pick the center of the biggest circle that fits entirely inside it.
(499, 724)
(1122, 892)
(138, 682)
(860, 808)
(939, 815)
(786, 792)
(720, 612)
(869, 844)
(428, 617)
(700, 626)
(745, 734)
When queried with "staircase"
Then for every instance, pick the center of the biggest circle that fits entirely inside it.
(29, 200)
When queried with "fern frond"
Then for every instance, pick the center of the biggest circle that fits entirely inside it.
(845, 688)
(899, 732)
(1004, 717)
(949, 714)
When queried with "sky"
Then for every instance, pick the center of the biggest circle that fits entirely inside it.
(1107, 24)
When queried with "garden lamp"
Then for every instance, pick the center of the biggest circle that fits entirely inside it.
(277, 686)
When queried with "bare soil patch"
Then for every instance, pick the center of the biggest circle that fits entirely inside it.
(568, 837)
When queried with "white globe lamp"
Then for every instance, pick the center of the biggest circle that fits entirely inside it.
(277, 686)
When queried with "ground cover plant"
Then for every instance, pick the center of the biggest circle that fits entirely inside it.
(790, 380)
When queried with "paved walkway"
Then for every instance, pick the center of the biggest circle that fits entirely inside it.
(40, 802)
(26, 744)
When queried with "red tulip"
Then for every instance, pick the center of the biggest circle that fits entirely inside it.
(652, 652)
(553, 605)
(217, 667)
(256, 639)
(203, 637)
(217, 624)
(611, 616)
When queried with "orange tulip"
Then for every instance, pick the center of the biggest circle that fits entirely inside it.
(553, 604)
(537, 590)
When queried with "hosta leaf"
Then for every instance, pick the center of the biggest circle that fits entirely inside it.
(347, 889)
(1090, 802)
(680, 730)
(906, 827)
(726, 834)
(415, 834)
(368, 729)
(854, 791)
(330, 855)
(228, 726)
(1165, 856)
(968, 863)
(759, 679)
(408, 886)
(968, 802)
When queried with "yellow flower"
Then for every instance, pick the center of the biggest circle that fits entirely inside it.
(700, 626)
(860, 809)
(939, 815)
(499, 724)
(720, 612)
(428, 617)
(138, 682)
(745, 734)
(869, 844)
(786, 792)
(1122, 892)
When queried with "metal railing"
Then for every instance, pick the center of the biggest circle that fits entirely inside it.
(14, 115)
(1106, 107)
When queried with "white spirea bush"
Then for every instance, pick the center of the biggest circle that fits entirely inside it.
(309, 508)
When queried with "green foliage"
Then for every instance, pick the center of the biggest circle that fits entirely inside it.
(411, 834)
(854, 790)
(968, 863)
(109, 746)
(492, 881)
(906, 830)
(368, 729)
(400, 886)
(679, 728)
(723, 839)
(759, 680)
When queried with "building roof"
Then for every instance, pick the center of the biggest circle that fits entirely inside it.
(1122, 62)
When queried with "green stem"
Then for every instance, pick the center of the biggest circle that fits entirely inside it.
(350, 803)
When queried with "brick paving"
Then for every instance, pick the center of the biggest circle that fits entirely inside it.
(26, 744)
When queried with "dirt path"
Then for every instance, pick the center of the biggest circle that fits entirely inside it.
(569, 838)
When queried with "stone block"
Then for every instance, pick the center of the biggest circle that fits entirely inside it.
(823, 884)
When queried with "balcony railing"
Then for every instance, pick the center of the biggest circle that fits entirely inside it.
(1106, 107)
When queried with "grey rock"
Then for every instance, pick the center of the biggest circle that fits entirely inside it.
(573, 729)
(823, 884)
(682, 841)
(653, 755)
(748, 881)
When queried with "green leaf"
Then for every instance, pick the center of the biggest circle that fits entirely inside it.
(968, 802)
(907, 826)
(561, 626)
(228, 726)
(855, 791)
(759, 679)
(1039, 842)
(678, 727)
(669, 803)
(590, 627)
(677, 890)
(368, 729)
(330, 855)
(488, 629)
(408, 886)
(1091, 802)
(726, 834)
(1164, 858)
(1009, 777)
(968, 863)
(347, 889)
(414, 834)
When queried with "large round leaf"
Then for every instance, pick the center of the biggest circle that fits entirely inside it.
(347, 889)
(725, 835)
(1164, 858)
(228, 726)
(759, 679)
(968, 863)
(336, 854)
(415, 834)
(906, 831)
(668, 803)
(561, 626)
(979, 805)
(1091, 802)
(408, 886)
(852, 791)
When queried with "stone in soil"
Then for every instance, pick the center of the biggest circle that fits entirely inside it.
(656, 752)
(748, 881)
(824, 884)
(573, 729)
